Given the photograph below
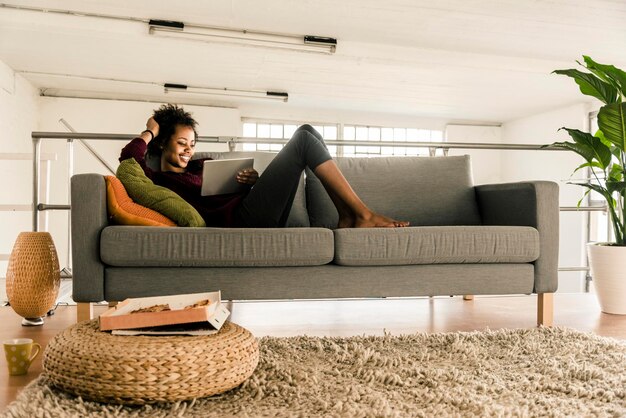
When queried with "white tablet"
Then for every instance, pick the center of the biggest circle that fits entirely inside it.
(219, 176)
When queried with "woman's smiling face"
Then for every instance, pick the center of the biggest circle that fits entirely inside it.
(178, 150)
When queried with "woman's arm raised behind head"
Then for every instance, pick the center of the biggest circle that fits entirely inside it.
(152, 130)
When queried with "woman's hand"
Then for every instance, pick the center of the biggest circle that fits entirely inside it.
(247, 176)
(151, 132)
(152, 125)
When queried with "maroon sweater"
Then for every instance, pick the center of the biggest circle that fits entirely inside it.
(217, 211)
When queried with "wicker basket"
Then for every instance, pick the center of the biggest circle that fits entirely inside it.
(145, 369)
(33, 275)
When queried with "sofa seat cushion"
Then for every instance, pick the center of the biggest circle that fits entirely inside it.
(129, 246)
(436, 245)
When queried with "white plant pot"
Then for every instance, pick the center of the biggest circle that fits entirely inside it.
(608, 270)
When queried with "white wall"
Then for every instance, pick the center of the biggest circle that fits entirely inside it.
(485, 163)
(556, 166)
(280, 112)
(19, 111)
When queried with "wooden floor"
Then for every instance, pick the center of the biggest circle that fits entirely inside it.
(352, 317)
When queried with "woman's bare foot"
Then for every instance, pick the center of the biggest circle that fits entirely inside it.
(374, 220)
(345, 221)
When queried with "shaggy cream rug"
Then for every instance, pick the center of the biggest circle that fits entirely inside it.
(528, 372)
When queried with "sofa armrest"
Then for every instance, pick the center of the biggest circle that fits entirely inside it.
(88, 218)
(532, 203)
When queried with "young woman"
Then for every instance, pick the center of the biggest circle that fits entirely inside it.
(171, 136)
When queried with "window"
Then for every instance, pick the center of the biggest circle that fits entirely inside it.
(269, 131)
(376, 135)
(379, 135)
(281, 131)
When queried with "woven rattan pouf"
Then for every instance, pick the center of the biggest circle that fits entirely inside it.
(102, 367)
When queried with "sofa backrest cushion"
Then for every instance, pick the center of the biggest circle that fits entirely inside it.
(421, 190)
(298, 217)
(144, 192)
(123, 211)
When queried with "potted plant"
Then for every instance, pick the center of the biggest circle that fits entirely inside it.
(605, 153)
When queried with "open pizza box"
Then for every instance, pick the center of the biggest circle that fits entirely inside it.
(166, 310)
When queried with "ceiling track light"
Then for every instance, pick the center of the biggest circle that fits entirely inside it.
(244, 37)
(212, 91)
(175, 29)
(278, 96)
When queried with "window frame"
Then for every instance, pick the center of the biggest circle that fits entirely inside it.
(377, 149)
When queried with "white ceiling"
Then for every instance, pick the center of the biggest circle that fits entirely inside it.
(477, 60)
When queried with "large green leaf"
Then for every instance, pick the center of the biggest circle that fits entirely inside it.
(608, 73)
(612, 122)
(598, 189)
(591, 85)
(616, 173)
(616, 186)
(600, 152)
(582, 150)
(614, 150)
(599, 73)
(595, 187)
(593, 164)
(600, 135)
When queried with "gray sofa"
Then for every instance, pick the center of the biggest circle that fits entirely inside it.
(463, 240)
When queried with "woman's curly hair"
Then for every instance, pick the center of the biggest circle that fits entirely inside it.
(168, 116)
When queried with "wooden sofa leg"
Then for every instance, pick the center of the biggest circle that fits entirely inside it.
(545, 309)
(84, 311)
(468, 297)
(112, 304)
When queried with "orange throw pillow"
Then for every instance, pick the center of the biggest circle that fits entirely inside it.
(124, 211)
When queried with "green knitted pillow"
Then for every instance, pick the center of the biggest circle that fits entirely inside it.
(144, 192)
